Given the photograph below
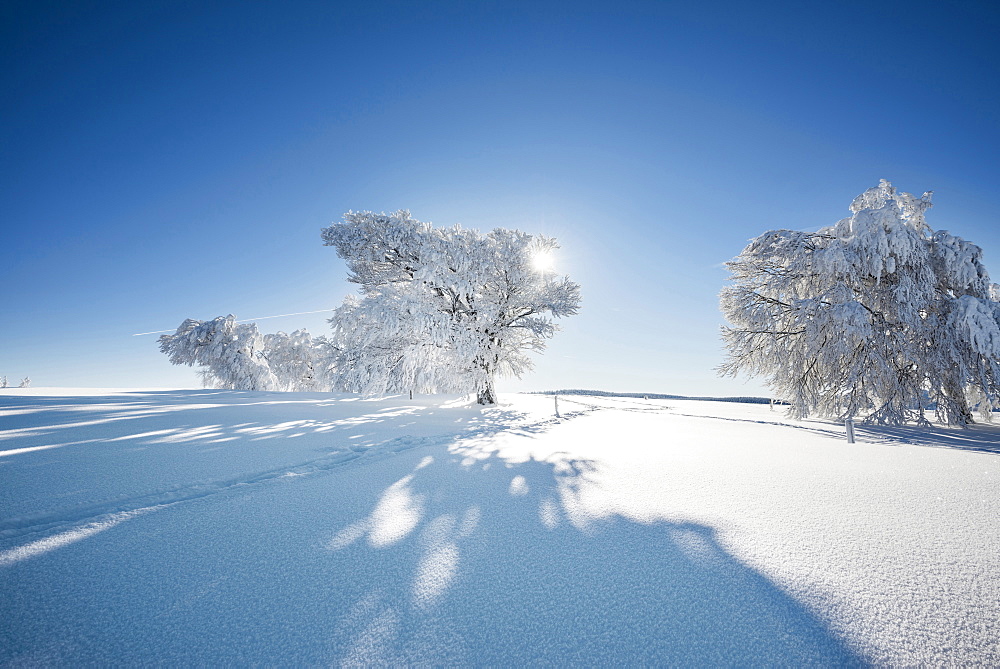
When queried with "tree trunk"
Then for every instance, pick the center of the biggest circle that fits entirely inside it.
(487, 395)
(487, 362)
(957, 410)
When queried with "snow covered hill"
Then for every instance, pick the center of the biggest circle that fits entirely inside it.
(220, 527)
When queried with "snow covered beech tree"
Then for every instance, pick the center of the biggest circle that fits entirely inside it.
(299, 361)
(236, 356)
(873, 315)
(441, 309)
(231, 352)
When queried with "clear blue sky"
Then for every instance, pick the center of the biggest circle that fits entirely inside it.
(171, 160)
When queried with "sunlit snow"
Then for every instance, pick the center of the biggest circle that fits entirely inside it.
(222, 527)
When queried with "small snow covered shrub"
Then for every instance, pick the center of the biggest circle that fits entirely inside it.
(874, 315)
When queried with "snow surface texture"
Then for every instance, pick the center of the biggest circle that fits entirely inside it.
(223, 527)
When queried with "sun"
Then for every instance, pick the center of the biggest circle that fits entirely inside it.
(543, 261)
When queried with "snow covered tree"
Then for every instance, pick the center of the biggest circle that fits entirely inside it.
(237, 357)
(299, 362)
(3, 382)
(25, 383)
(442, 309)
(231, 352)
(373, 359)
(876, 314)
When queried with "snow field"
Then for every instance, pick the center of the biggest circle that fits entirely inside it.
(208, 527)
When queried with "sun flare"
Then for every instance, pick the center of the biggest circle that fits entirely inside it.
(543, 261)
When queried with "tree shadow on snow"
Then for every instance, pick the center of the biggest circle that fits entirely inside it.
(63, 457)
(981, 438)
(179, 416)
(465, 559)
(502, 568)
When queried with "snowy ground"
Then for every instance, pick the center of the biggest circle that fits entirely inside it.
(217, 527)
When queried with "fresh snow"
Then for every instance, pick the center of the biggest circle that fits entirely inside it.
(213, 527)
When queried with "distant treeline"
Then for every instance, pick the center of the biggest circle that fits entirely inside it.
(659, 396)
